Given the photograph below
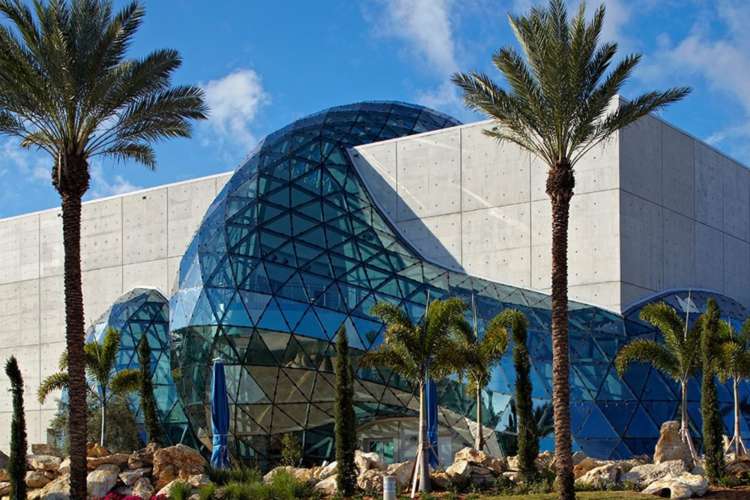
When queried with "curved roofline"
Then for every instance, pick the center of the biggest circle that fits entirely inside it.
(672, 291)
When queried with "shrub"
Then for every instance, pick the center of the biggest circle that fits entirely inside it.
(345, 422)
(146, 392)
(18, 445)
(180, 491)
(291, 450)
(207, 492)
(237, 474)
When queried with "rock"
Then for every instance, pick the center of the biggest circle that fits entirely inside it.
(496, 465)
(459, 469)
(603, 477)
(129, 477)
(686, 485)
(4, 489)
(642, 475)
(45, 449)
(102, 479)
(401, 471)
(585, 465)
(176, 462)
(513, 462)
(545, 460)
(59, 489)
(36, 479)
(474, 456)
(463, 471)
(119, 459)
(64, 467)
(366, 461)
(44, 462)
(95, 450)
(166, 490)
(142, 488)
(670, 445)
(4, 476)
(304, 475)
(198, 480)
(143, 457)
(511, 475)
(738, 468)
(276, 470)
(578, 457)
(371, 481)
(327, 471)
(440, 480)
(327, 486)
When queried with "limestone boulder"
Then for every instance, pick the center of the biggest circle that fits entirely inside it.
(371, 481)
(440, 480)
(327, 486)
(64, 466)
(129, 477)
(585, 465)
(101, 480)
(471, 455)
(198, 480)
(686, 485)
(738, 468)
(166, 490)
(603, 477)
(4, 476)
(119, 459)
(643, 475)
(143, 457)
(459, 470)
(45, 449)
(44, 462)
(578, 457)
(401, 471)
(303, 474)
(36, 479)
(95, 450)
(327, 471)
(176, 462)
(4, 488)
(277, 470)
(59, 489)
(142, 488)
(670, 445)
(366, 461)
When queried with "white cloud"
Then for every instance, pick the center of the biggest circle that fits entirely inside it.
(426, 27)
(32, 165)
(101, 186)
(234, 101)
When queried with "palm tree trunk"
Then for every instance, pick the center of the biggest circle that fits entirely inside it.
(74, 337)
(104, 417)
(479, 441)
(739, 446)
(685, 422)
(424, 471)
(560, 183)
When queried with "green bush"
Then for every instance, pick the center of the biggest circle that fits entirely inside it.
(180, 491)
(283, 486)
(207, 492)
(291, 450)
(238, 474)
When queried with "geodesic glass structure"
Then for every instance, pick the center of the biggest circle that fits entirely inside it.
(138, 313)
(294, 246)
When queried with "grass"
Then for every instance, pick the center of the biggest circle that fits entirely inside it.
(590, 495)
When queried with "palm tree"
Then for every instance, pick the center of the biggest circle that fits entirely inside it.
(66, 88)
(481, 355)
(677, 357)
(428, 349)
(734, 356)
(100, 365)
(558, 108)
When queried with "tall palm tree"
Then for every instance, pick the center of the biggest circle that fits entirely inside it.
(66, 88)
(100, 366)
(678, 356)
(558, 108)
(428, 349)
(481, 355)
(734, 363)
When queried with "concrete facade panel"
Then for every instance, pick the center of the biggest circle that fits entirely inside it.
(19, 314)
(52, 310)
(679, 254)
(19, 249)
(101, 233)
(709, 257)
(736, 268)
(429, 175)
(709, 187)
(152, 274)
(642, 242)
(377, 166)
(736, 197)
(145, 226)
(641, 159)
(437, 238)
(678, 171)
(51, 254)
(492, 174)
(187, 204)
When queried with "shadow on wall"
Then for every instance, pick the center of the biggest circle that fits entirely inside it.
(424, 243)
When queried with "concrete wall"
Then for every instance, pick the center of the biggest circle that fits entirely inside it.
(685, 214)
(470, 204)
(127, 241)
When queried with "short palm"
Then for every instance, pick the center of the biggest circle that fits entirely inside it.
(677, 356)
(482, 353)
(558, 107)
(100, 368)
(734, 363)
(428, 349)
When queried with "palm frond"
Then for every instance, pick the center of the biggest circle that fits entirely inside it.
(651, 352)
(125, 381)
(55, 382)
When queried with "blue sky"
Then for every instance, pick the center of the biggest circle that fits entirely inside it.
(265, 63)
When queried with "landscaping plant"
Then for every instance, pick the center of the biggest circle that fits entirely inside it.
(713, 428)
(734, 363)
(146, 392)
(345, 425)
(18, 446)
(559, 107)
(67, 88)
